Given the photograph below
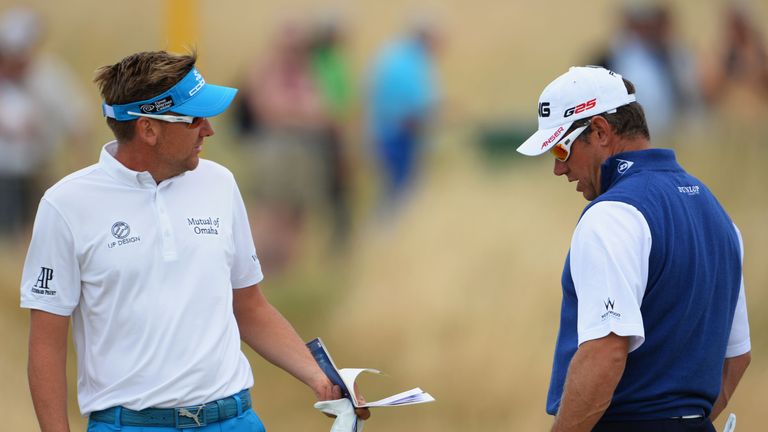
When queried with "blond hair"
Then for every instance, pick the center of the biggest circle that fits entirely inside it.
(138, 77)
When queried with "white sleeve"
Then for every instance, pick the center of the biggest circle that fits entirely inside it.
(739, 341)
(246, 268)
(50, 280)
(609, 265)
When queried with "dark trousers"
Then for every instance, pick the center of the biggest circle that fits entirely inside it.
(701, 424)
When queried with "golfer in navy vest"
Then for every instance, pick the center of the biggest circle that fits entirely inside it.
(653, 329)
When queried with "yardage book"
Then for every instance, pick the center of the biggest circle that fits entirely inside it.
(345, 379)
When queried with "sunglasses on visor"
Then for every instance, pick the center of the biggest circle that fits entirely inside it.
(562, 150)
(192, 122)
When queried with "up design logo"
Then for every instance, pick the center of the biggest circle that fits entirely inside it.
(120, 231)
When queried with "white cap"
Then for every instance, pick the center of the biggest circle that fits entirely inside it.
(579, 93)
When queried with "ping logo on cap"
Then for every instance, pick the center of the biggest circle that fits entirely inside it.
(544, 109)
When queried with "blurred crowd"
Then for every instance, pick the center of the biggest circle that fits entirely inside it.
(41, 109)
(673, 85)
(305, 120)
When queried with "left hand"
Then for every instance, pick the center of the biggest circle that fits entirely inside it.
(325, 390)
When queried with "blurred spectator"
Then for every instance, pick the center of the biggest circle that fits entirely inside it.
(40, 107)
(741, 69)
(332, 78)
(647, 52)
(293, 121)
(403, 96)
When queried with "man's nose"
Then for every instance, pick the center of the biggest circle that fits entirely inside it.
(560, 168)
(206, 129)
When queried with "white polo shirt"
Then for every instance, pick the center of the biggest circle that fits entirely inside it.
(614, 237)
(146, 271)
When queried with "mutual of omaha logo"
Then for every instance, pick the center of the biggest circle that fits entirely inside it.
(205, 226)
(42, 286)
(121, 230)
(624, 165)
(609, 313)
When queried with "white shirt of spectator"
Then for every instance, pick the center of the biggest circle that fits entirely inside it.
(146, 271)
(614, 237)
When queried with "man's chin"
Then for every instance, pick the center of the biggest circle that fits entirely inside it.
(589, 196)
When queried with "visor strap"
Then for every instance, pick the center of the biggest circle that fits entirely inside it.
(108, 110)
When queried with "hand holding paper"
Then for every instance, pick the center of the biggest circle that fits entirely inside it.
(345, 379)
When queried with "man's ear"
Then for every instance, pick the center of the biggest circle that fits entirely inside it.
(146, 130)
(603, 131)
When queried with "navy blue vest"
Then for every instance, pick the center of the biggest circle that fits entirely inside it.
(694, 277)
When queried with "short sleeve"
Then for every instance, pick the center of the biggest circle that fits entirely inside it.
(246, 268)
(50, 280)
(609, 264)
(739, 341)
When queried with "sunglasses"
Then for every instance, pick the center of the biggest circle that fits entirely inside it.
(562, 150)
(192, 122)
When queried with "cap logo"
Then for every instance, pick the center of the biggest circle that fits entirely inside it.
(580, 108)
(544, 109)
(200, 83)
(157, 106)
(553, 137)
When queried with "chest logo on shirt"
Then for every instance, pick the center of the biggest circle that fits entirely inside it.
(43, 280)
(689, 190)
(120, 231)
(624, 165)
(609, 313)
(204, 226)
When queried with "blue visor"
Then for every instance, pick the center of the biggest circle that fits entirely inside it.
(191, 96)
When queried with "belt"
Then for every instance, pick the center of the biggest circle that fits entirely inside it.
(184, 417)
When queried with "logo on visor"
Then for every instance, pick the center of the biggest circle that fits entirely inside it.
(157, 106)
(200, 83)
(624, 165)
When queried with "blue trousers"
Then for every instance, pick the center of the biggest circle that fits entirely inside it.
(248, 421)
